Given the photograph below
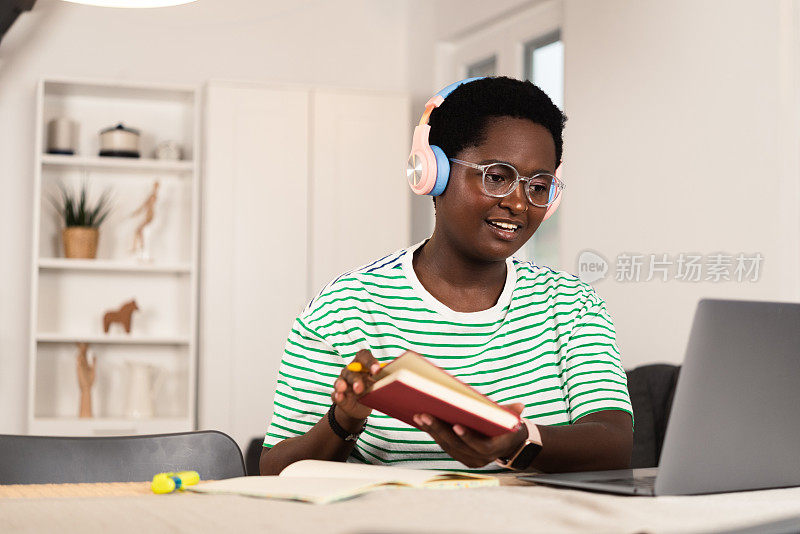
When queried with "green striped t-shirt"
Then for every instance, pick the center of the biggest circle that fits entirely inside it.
(548, 343)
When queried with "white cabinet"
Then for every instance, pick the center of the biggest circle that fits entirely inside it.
(359, 193)
(70, 296)
(300, 184)
(255, 223)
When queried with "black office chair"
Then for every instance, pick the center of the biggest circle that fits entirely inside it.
(651, 388)
(43, 460)
(252, 457)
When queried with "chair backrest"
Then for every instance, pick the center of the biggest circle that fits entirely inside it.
(252, 457)
(651, 388)
(42, 460)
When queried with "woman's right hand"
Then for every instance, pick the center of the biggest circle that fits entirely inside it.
(350, 386)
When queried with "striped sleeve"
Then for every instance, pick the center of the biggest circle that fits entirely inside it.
(305, 382)
(592, 371)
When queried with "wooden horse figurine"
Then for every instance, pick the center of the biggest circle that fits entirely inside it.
(86, 373)
(121, 316)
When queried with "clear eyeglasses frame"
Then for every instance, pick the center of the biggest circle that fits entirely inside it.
(505, 179)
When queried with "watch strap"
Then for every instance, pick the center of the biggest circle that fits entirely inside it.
(339, 430)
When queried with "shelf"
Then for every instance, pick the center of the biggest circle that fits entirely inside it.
(67, 264)
(111, 339)
(116, 164)
(69, 296)
(76, 426)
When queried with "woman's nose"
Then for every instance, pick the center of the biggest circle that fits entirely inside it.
(516, 200)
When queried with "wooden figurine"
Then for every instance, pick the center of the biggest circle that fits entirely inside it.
(86, 374)
(121, 316)
(141, 244)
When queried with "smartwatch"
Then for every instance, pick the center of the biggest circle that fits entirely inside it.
(526, 453)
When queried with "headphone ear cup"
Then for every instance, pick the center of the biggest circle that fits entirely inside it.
(442, 171)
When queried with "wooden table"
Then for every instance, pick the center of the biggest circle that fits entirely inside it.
(122, 508)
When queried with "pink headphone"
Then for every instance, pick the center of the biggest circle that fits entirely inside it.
(428, 167)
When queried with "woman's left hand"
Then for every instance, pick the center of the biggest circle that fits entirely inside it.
(469, 447)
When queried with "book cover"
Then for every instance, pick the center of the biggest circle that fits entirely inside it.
(412, 385)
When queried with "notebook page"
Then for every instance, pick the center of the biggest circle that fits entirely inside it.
(313, 490)
(375, 474)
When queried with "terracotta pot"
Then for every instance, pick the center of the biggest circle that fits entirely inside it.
(80, 242)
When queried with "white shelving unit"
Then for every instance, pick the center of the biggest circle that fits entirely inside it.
(70, 296)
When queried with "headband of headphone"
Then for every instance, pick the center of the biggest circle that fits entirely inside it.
(428, 167)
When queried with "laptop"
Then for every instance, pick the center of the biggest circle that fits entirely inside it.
(735, 421)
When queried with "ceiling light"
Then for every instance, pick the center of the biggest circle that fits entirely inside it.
(131, 3)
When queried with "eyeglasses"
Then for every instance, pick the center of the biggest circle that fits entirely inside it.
(501, 179)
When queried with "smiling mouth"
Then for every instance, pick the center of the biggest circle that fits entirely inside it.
(507, 227)
(503, 230)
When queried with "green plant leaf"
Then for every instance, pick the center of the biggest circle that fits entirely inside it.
(100, 211)
(70, 212)
(76, 209)
(81, 218)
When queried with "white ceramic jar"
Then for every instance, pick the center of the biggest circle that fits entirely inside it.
(62, 136)
(119, 141)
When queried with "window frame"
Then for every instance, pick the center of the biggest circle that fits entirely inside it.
(531, 46)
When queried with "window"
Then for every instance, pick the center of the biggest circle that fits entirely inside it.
(544, 66)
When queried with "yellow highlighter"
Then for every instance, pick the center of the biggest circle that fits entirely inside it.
(356, 367)
(169, 482)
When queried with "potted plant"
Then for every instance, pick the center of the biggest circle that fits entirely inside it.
(81, 221)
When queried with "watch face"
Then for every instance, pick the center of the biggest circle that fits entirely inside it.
(526, 456)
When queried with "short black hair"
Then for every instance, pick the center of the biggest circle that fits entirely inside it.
(460, 122)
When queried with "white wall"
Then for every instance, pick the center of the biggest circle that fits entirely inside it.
(690, 98)
(682, 137)
(349, 43)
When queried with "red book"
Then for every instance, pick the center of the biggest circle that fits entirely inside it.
(411, 385)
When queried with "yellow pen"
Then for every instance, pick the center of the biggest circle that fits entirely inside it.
(356, 367)
(169, 482)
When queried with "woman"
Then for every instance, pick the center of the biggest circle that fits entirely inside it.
(535, 339)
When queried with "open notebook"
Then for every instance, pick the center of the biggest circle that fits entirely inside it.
(411, 385)
(321, 482)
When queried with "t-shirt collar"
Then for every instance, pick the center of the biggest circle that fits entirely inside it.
(494, 313)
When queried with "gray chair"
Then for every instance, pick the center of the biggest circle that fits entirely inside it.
(43, 460)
